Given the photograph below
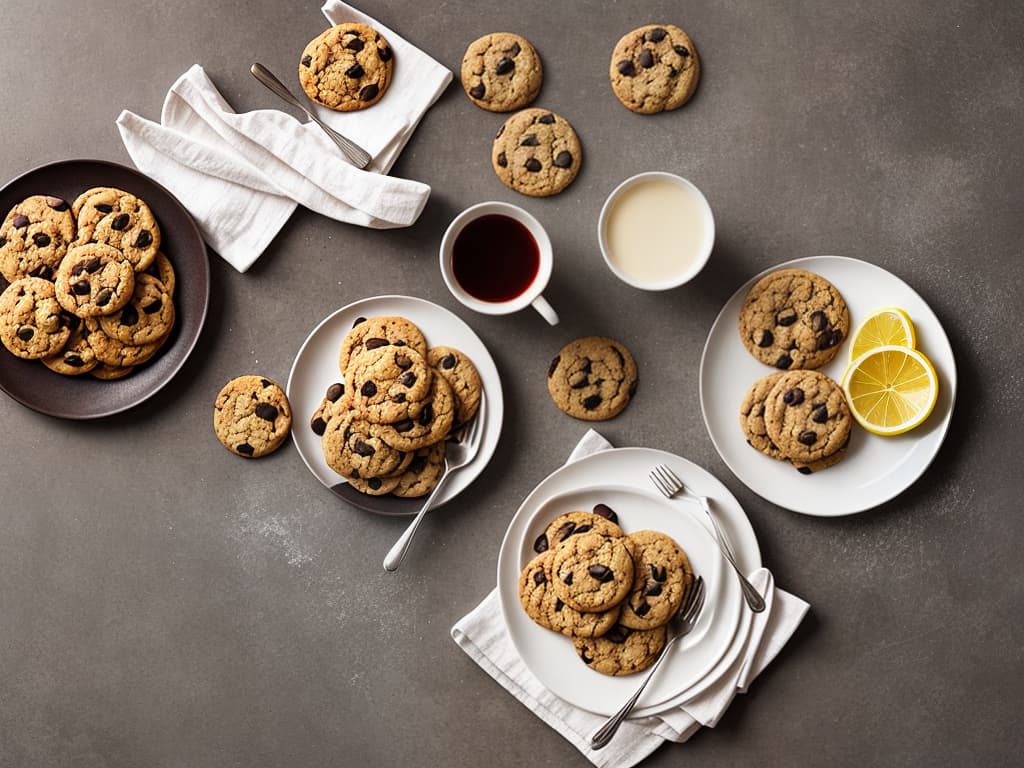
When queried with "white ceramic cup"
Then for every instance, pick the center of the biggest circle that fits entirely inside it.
(666, 223)
(531, 296)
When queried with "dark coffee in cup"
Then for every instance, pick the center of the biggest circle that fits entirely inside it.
(495, 258)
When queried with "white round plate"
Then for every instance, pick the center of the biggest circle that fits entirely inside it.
(316, 368)
(875, 469)
(618, 478)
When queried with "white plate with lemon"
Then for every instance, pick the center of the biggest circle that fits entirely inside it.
(901, 386)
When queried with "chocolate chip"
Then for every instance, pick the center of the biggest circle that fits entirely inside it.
(355, 72)
(554, 365)
(682, 50)
(20, 221)
(153, 307)
(44, 271)
(829, 339)
(583, 655)
(626, 68)
(563, 159)
(81, 288)
(129, 315)
(653, 590)
(93, 266)
(418, 464)
(643, 609)
(357, 321)
(819, 321)
(514, 50)
(384, 54)
(375, 342)
(448, 362)
(144, 239)
(25, 332)
(399, 343)
(540, 544)
(530, 140)
(318, 425)
(399, 398)
(578, 380)
(335, 391)
(559, 605)
(57, 203)
(477, 91)
(374, 483)
(601, 572)
(402, 426)
(655, 35)
(645, 59)
(504, 66)
(70, 358)
(658, 572)
(369, 389)
(592, 402)
(245, 449)
(533, 165)
(804, 470)
(502, 160)
(363, 449)
(606, 512)
(355, 44)
(407, 379)
(582, 529)
(41, 239)
(784, 361)
(267, 412)
(369, 92)
(767, 339)
(618, 633)
(567, 530)
(426, 415)
(786, 318)
(547, 119)
(120, 222)
(403, 362)
(104, 296)
(808, 437)
(539, 577)
(3, 242)
(820, 414)
(104, 208)
(567, 578)
(307, 60)
(795, 396)
(266, 383)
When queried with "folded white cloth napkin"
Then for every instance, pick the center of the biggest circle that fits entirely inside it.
(482, 635)
(242, 175)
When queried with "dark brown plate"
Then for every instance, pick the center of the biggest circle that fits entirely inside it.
(84, 397)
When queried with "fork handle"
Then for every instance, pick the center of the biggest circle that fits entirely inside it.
(750, 594)
(397, 553)
(604, 734)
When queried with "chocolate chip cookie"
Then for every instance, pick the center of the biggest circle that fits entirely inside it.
(116, 353)
(592, 572)
(77, 356)
(333, 403)
(94, 279)
(807, 416)
(592, 378)
(119, 219)
(354, 448)
(35, 236)
(147, 317)
(251, 416)
(654, 69)
(501, 72)
(536, 153)
(431, 425)
(373, 332)
(423, 472)
(576, 522)
(31, 323)
(662, 576)
(752, 416)
(621, 650)
(346, 67)
(549, 611)
(389, 384)
(458, 370)
(792, 318)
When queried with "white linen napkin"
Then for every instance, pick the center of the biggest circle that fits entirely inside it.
(482, 635)
(242, 175)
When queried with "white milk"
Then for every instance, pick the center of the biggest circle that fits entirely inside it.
(657, 231)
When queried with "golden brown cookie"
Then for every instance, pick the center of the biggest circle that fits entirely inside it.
(603, 521)
(31, 321)
(389, 384)
(423, 472)
(460, 373)
(147, 317)
(354, 448)
(654, 68)
(621, 650)
(35, 236)
(76, 357)
(662, 576)
(807, 417)
(501, 72)
(592, 571)
(251, 416)
(431, 425)
(752, 416)
(346, 67)
(549, 611)
(592, 378)
(121, 220)
(94, 279)
(379, 331)
(536, 153)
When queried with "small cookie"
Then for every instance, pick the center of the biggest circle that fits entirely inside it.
(460, 373)
(567, 524)
(147, 317)
(346, 67)
(35, 236)
(661, 578)
(807, 416)
(251, 416)
(353, 448)
(32, 325)
(372, 332)
(501, 72)
(332, 404)
(94, 279)
(431, 425)
(77, 357)
(115, 352)
(592, 378)
(389, 384)
(752, 416)
(549, 611)
(423, 472)
(121, 220)
(621, 650)
(654, 68)
(536, 153)
(592, 572)
(792, 318)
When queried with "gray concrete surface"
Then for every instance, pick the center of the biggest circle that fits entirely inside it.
(163, 603)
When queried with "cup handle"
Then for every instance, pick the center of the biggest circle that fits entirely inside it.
(545, 309)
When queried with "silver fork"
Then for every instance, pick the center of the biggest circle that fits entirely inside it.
(458, 453)
(680, 626)
(356, 155)
(668, 482)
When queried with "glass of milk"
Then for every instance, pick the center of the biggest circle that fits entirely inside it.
(656, 231)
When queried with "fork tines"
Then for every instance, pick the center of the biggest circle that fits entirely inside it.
(665, 480)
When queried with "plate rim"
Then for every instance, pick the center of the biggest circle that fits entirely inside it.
(204, 263)
(766, 494)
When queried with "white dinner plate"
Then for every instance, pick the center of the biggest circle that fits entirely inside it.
(618, 478)
(316, 368)
(875, 469)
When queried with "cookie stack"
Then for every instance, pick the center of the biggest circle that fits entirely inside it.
(795, 321)
(384, 427)
(90, 290)
(611, 593)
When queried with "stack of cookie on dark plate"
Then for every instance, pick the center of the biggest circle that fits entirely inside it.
(795, 321)
(610, 592)
(90, 291)
(384, 426)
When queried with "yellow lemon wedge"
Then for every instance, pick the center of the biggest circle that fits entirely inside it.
(888, 326)
(891, 389)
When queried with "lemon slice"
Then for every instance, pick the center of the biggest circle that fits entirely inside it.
(888, 326)
(891, 389)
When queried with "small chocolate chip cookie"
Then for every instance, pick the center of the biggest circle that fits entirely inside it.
(460, 373)
(35, 236)
(661, 578)
(31, 322)
(389, 384)
(549, 611)
(501, 72)
(372, 332)
(592, 572)
(578, 521)
(119, 219)
(77, 357)
(807, 416)
(251, 416)
(94, 279)
(354, 448)
(346, 67)
(621, 650)
(147, 317)
(654, 69)
(536, 153)
(592, 378)
(792, 318)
